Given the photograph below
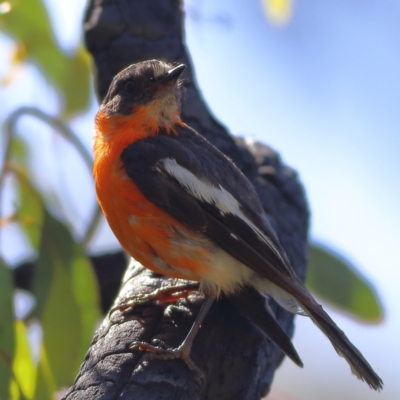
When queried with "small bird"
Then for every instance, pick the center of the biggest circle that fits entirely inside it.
(183, 209)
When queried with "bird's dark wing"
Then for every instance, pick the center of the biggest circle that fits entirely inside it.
(196, 184)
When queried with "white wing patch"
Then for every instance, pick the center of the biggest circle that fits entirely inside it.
(217, 196)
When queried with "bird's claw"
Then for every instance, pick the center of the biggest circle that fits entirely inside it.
(161, 353)
(159, 296)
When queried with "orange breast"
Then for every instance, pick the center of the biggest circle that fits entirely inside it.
(147, 233)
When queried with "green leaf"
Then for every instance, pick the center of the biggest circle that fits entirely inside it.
(67, 300)
(29, 24)
(15, 391)
(86, 291)
(7, 339)
(46, 386)
(30, 206)
(56, 248)
(62, 329)
(23, 366)
(18, 150)
(337, 281)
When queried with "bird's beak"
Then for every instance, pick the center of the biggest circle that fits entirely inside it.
(172, 75)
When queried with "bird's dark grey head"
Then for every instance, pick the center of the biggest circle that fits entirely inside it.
(142, 84)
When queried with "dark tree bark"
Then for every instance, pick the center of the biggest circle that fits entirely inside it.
(237, 358)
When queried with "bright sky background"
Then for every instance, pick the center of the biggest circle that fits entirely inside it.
(324, 91)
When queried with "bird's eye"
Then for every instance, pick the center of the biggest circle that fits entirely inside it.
(129, 87)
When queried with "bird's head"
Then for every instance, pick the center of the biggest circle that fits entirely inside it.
(149, 88)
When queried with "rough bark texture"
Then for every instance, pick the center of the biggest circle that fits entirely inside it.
(237, 359)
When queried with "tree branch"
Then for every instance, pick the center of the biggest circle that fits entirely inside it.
(236, 357)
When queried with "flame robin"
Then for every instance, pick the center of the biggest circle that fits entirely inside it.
(183, 209)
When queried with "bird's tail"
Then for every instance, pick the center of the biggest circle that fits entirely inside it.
(254, 306)
(358, 364)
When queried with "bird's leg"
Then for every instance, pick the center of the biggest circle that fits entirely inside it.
(183, 351)
(160, 296)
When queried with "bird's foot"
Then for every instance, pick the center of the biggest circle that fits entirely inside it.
(161, 353)
(163, 295)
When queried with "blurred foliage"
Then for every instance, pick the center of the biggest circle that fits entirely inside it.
(65, 287)
(66, 292)
(30, 206)
(67, 302)
(338, 282)
(24, 368)
(7, 337)
(28, 24)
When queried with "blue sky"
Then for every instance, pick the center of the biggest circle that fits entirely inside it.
(324, 91)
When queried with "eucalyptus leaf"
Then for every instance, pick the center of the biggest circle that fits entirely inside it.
(7, 339)
(67, 305)
(337, 281)
(23, 365)
(18, 150)
(46, 386)
(30, 206)
(86, 292)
